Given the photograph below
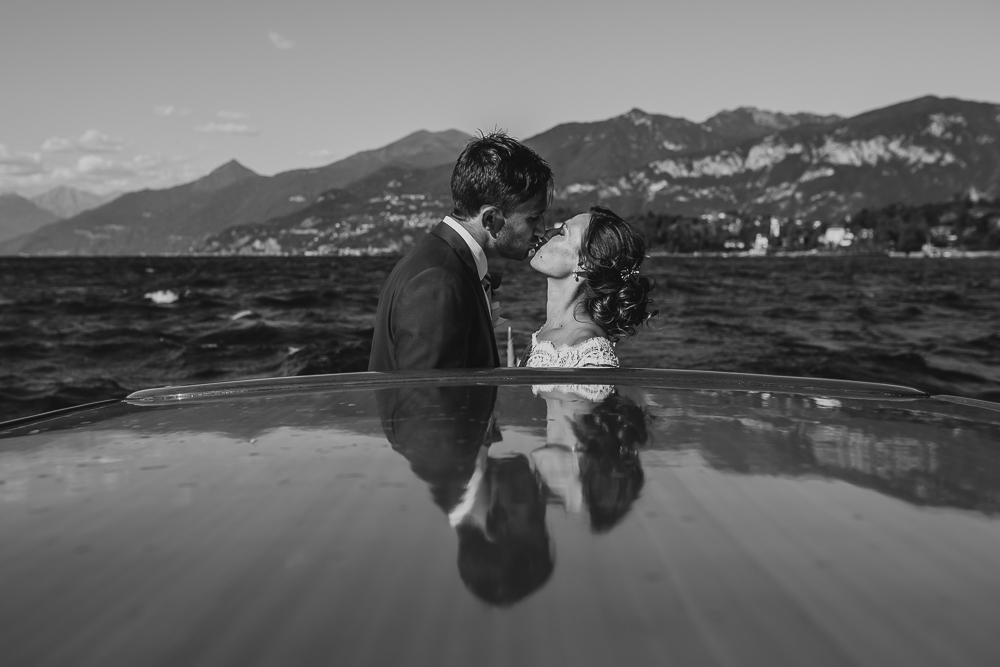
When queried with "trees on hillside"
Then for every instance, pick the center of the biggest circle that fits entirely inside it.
(962, 224)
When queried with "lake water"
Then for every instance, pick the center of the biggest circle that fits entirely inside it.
(76, 330)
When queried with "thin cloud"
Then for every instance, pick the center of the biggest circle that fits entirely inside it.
(58, 145)
(134, 166)
(171, 110)
(318, 154)
(100, 173)
(228, 128)
(281, 42)
(91, 141)
(233, 115)
(14, 163)
(98, 164)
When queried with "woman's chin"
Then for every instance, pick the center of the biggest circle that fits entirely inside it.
(541, 268)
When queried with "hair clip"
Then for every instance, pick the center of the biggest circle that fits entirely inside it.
(629, 274)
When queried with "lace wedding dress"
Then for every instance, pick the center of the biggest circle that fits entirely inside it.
(591, 352)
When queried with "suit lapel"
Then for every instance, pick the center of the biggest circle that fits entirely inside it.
(458, 244)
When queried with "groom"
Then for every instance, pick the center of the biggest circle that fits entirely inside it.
(434, 310)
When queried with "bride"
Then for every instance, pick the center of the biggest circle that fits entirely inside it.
(596, 296)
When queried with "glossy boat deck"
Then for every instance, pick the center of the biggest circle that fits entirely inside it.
(504, 517)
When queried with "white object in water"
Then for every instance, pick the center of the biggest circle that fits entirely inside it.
(162, 296)
(241, 314)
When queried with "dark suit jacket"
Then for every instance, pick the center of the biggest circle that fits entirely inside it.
(440, 431)
(432, 312)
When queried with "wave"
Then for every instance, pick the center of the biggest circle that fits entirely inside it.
(75, 330)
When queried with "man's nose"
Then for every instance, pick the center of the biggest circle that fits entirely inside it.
(552, 230)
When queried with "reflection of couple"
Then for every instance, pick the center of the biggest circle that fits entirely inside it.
(590, 459)
(438, 309)
(496, 504)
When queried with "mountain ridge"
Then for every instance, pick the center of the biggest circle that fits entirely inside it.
(609, 148)
(750, 122)
(223, 176)
(177, 220)
(65, 202)
(918, 151)
(19, 217)
(745, 159)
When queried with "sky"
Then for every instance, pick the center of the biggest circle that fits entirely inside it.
(119, 95)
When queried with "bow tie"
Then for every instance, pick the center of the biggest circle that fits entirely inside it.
(492, 282)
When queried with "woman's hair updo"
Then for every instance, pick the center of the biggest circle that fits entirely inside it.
(615, 296)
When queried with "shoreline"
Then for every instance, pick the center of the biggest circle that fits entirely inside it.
(743, 254)
(944, 254)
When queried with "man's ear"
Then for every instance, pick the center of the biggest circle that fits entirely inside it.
(493, 220)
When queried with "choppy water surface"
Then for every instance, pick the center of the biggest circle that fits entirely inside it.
(74, 330)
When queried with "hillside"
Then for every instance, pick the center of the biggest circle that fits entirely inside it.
(179, 219)
(155, 221)
(920, 151)
(749, 162)
(608, 149)
(65, 202)
(419, 150)
(744, 123)
(386, 212)
(19, 216)
(819, 168)
(961, 224)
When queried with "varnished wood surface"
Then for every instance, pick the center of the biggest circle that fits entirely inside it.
(287, 530)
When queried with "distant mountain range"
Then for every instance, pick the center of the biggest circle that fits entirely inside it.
(916, 152)
(385, 212)
(608, 149)
(179, 219)
(745, 160)
(20, 216)
(65, 202)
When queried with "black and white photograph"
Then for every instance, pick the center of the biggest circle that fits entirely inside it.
(501, 334)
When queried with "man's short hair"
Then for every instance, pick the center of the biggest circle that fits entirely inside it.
(496, 170)
(511, 557)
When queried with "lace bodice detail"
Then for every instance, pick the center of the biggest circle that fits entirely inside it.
(595, 393)
(591, 352)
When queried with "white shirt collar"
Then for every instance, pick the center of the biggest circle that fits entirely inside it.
(477, 251)
(472, 507)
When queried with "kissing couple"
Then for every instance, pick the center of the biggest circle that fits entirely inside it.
(437, 308)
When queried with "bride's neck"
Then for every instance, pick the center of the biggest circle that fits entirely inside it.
(562, 305)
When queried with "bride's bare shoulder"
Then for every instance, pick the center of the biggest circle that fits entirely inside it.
(585, 335)
(571, 337)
